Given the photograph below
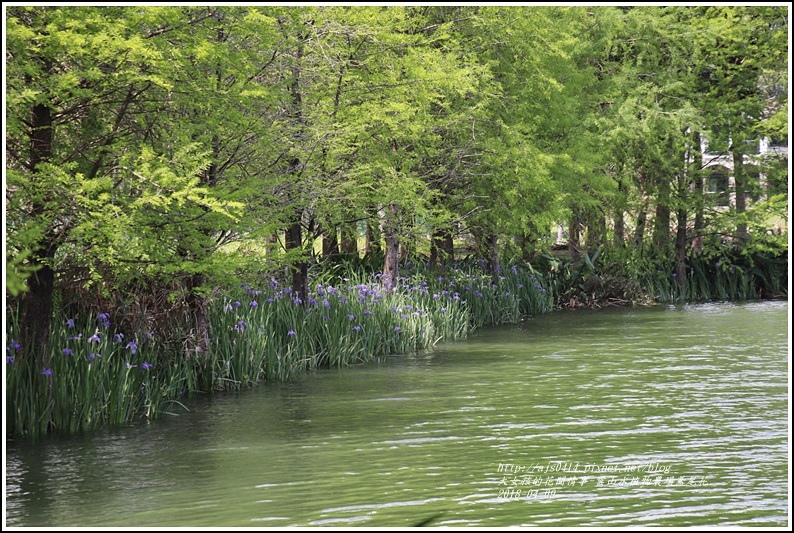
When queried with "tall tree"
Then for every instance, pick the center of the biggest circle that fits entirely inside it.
(86, 89)
(738, 45)
(531, 159)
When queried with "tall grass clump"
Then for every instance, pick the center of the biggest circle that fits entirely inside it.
(268, 333)
(94, 376)
(99, 375)
(727, 277)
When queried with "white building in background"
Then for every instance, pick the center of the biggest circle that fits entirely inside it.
(720, 182)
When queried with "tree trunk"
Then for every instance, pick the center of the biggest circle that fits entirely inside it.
(493, 241)
(408, 246)
(573, 236)
(37, 303)
(680, 248)
(697, 166)
(300, 268)
(596, 231)
(740, 186)
(661, 227)
(618, 222)
(661, 221)
(527, 247)
(293, 238)
(197, 307)
(350, 239)
(642, 220)
(373, 245)
(441, 250)
(619, 232)
(36, 319)
(391, 262)
(330, 243)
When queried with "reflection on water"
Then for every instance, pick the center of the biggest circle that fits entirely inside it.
(664, 416)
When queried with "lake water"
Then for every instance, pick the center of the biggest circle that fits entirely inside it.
(662, 416)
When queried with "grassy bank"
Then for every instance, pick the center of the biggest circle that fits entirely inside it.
(101, 372)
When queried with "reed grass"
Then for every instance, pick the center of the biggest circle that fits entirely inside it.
(95, 376)
(98, 375)
(709, 277)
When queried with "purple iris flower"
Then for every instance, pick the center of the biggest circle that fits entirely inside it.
(68, 351)
(132, 345)
(104, 319)
(94, 338)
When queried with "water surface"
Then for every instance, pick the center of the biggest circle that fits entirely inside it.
(662, 416)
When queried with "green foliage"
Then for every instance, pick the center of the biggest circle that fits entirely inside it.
(590, 282)
(157, 153)
(17, 270)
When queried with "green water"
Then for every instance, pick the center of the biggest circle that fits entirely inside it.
(663, 416)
